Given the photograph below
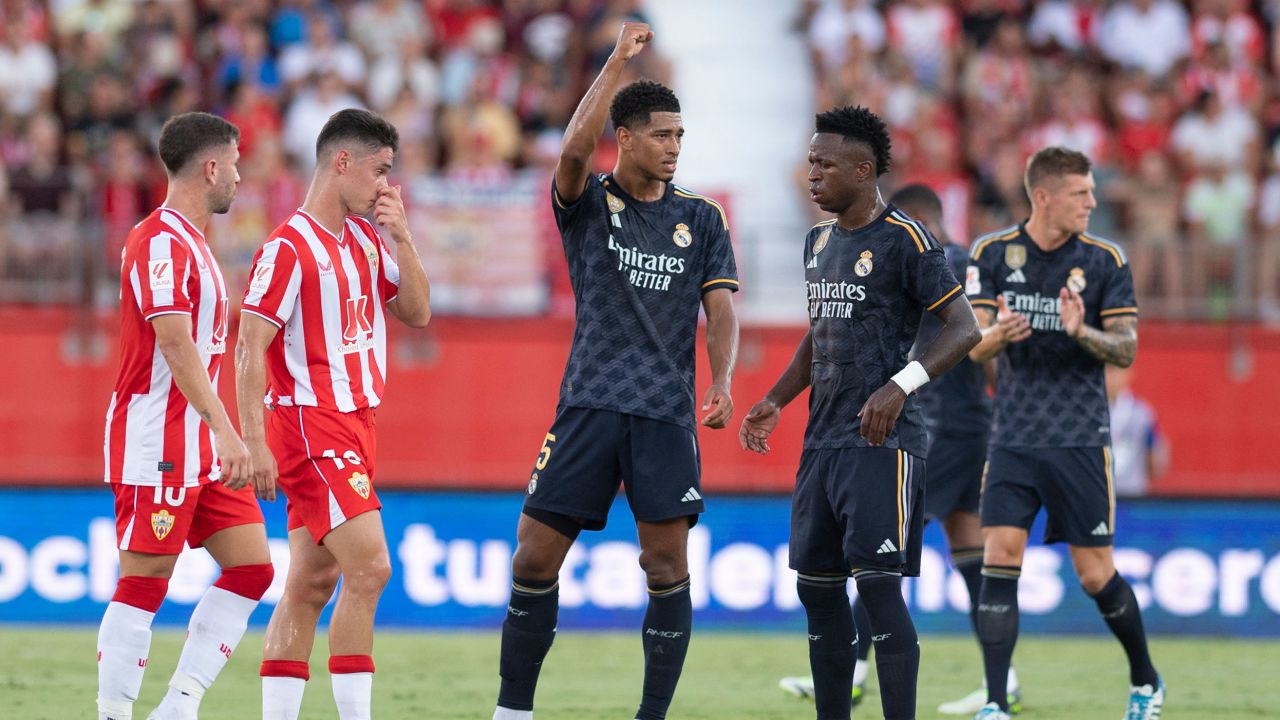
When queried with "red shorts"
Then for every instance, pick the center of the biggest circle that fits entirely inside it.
(156, 520)
(326, 461)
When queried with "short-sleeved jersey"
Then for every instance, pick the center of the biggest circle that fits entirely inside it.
(639, 271)
(955, 404)
(328, 296)
(867, 289)
(1049, 389)
(153, 436)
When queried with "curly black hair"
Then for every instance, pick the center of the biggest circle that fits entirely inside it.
(361, 126)
(858, 124)
(631, 106)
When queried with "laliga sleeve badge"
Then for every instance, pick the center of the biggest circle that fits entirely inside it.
(682, 237)
(1075, 280)
(360, 483)
(615, 205)
(863, 267)
(162, 524)
(821, 243)
(972, 280)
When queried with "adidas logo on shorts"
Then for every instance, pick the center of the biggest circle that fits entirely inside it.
(1102, 529)
(887, 547)
(691, 496)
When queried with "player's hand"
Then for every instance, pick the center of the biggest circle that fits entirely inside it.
(631, 40)
(388, 211)
(264, 470)
(720, 404)
(758, 425)
(880, 413)
(234, 459)
(1071, 311)
(1013, 326)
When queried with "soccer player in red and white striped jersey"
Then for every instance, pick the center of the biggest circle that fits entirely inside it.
(326, 278)
(171, 451)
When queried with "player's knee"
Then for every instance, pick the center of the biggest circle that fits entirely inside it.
(663, 566)
(529, 563)
(371, 578)
(821, 593)
(1093, 580)
(248, 581)
(316, 588)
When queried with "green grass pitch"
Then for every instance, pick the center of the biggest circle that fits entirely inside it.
(49, 674)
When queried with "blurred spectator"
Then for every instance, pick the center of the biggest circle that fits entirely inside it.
(1218, 209)
(1150, 35)
(322, 53)
(1145, 116)
(927, 34)
(1227, 23)
(319, 97)
(481, 135)
(1239, 85)
(1140, 452)
(109, 18)
(383, 27)
(1269, 243)
(28, 71)
(124, 195)
(41, 183)
(1001, 72)
(836, 24)
(1149, 201)
(255, 113)
(1072, 26)
(1214, 135)
(252, 64)
(410, 68)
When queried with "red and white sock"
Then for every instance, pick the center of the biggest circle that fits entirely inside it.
(215, 629)
(124, 641)
(352, 686)
(283, 683)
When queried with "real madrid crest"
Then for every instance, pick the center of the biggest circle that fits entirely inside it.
(1015, 256)
(682, 236)
(1075, 280)
(615, 205)
(533, 483)
(162, 523)
(821, 243)
(360, 483)
(863, 267)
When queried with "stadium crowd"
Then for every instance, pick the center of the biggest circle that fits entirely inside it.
(1178, 103)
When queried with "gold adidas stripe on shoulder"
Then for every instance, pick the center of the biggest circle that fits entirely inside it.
(694, 196)
(1116, 252)
(997, 236)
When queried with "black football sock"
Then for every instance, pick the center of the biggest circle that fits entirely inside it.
(968, 562)
(831, 643)
(897, 645)
(998, 627)
(862, 623)
(1120, 609)
(667, 623)
(527, 634)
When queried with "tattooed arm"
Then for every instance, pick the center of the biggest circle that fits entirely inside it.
(1116, 343)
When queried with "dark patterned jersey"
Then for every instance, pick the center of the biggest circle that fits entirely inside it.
(955, 404)
(639, 271)
(1049, 389)
(867, 289)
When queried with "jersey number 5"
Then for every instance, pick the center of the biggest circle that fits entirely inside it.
(544, 455)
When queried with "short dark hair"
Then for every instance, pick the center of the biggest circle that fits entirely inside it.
(185, 136)
(633, 104)
(1055, 162)
(918, 195)
(361, 126)
(858, 124)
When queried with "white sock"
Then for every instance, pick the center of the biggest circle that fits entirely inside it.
(353, 692)
(124, 641)
(282, 697)
(860, 671)
(1013, 680)
(216, 626)
(502, 713)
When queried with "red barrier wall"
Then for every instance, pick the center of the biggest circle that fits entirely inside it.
(470, 400)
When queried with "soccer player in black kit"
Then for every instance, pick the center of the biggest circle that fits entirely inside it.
(857, 509)
(1056, 305)
(644, 254)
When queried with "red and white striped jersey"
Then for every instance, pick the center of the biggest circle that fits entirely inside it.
(154, 436)
(328, 295)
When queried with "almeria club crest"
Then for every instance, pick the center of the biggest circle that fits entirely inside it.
(357, 330)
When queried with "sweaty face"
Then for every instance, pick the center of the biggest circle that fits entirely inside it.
(838, 171)
(1070, 201)
(655, 148)
(365, 175)
(226, 178)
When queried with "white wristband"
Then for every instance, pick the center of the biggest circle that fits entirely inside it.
(911, 377)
